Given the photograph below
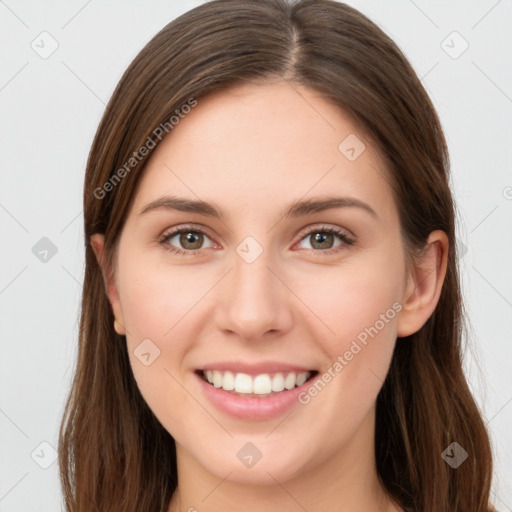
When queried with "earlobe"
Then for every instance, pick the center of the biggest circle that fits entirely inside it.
(424, 285)
(98, 245)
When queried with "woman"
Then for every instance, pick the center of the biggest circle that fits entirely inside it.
(271, 314)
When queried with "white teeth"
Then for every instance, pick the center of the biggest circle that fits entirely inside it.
(278, 382)
(262, 384)
(302, 377)
(217, 379)
(243, 383)
(229, 381)
(290, 380)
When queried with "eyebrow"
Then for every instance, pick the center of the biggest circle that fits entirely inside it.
(297, 208)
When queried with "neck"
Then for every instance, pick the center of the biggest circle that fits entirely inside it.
(346, 481)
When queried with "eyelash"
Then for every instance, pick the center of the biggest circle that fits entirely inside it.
(186, 229)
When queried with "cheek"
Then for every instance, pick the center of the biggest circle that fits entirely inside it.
(155, 303)
(359, 304)
(365, 313)
(158, 299)
(158, 309)
(355, 300)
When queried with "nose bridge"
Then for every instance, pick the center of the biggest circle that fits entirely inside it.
(254, 301)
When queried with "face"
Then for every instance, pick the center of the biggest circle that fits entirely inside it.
(258, 300)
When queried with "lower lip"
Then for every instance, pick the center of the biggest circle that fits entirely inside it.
(252, 408)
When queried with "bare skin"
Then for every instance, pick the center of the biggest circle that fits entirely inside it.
(251, 151)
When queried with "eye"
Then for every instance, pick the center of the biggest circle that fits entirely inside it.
(321, 239)
(190, 238)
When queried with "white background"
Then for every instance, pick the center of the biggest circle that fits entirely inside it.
(50, 109)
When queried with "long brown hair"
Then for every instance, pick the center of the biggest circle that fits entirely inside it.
(113, 453)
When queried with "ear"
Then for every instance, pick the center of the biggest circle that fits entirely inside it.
(98, 245)
(424, 285)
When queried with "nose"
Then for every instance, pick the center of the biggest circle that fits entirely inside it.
(253, 301)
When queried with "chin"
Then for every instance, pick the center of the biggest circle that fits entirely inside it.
(246, 464)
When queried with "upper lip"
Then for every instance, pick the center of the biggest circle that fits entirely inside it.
(255, 368)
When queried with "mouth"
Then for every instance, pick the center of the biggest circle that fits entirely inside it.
(262, 385)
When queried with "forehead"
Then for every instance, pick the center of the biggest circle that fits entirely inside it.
(265, 145)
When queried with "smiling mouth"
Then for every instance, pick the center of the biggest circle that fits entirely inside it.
(256, 386)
